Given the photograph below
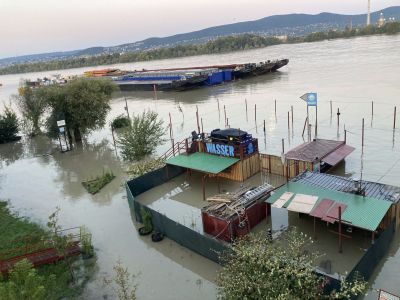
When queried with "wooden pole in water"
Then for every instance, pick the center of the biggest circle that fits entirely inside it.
(372, 108)
(275, 107)
(225, 115)
(255, 112)
(304, 128)
(283, 146)
(170, 126)
(264, 126)
(227, 122)
(218, 104)
(340, 229)
(338, 117)
(202, 129)
(394, 118)
(288, 120)
(316, 121)
(126, 108)
(291, 108)
(308, 124)
(331, 108)
(245, 102)
(362, 136)
(197, 117)
(345, 136)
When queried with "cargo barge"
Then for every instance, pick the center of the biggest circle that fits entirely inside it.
(186, 77)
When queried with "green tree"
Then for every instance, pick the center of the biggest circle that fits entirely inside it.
(8, 126)
(32, 107)
(142, 136)
(24, 283)
(283, 269)
(83, 103)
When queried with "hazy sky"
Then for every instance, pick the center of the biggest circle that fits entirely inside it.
(36, 26)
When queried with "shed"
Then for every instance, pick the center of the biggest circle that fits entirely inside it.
(320, 150)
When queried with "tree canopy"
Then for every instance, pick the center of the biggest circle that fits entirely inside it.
(83, 103)
(258, 269)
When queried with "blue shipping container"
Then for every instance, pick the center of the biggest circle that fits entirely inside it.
(215, 78)
(227, 75)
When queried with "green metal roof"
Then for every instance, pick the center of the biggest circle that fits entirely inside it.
(362, 212)
(203, 162)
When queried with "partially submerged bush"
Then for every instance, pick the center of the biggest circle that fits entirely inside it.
(93, 186)
(8, 126)
(141, 138)
(120, 122)
(145, 166)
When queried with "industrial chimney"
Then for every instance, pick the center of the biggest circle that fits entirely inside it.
(369, 13)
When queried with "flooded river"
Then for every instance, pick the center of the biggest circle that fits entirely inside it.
(36, 177)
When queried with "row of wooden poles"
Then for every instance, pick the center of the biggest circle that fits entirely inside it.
(290, 120)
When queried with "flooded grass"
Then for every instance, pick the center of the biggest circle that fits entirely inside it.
(17, 232)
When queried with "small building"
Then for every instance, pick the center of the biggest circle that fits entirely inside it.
(233, 215)
(229, 153)
(319, 155)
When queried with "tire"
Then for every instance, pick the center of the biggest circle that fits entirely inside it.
(157, 237)
(144, 231)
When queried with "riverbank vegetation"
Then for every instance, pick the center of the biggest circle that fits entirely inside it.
(258, 268)
(54, 281)
(219, 45)
(9, 127)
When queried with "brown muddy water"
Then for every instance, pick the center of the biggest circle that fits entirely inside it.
(36, 178)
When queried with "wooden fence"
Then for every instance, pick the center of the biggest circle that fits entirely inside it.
(291, 168)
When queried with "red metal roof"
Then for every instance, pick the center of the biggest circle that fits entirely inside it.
(314, 150)
(333, 214)
(322, 208)
(338, 155)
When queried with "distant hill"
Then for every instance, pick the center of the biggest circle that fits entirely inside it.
(291, 25)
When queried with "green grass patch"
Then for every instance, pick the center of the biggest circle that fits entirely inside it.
(93, 186)
(16, 232)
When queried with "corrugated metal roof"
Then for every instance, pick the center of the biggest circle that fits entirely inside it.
(343, 184)
(362, 212)
(338, 155)
(314, 150)
(203, 162)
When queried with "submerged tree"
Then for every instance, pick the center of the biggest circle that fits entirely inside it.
(83, 103)
(8, 126)
(32, 107)
(284, 269)
(142, 136)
